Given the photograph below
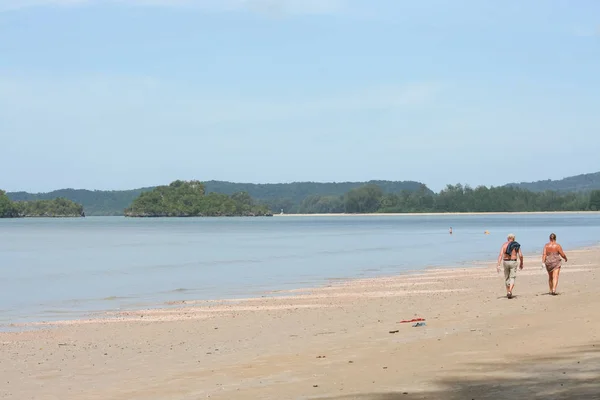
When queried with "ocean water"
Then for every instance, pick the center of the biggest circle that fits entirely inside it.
(63, 268)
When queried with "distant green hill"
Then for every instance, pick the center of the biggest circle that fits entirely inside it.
(578, 183)
(289, 196)
(94, 202)
(286, 196)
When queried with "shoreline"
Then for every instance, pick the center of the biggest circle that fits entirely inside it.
(278, 295)
(431, 214)
(113, 315)
(344, 341)
(50, 311)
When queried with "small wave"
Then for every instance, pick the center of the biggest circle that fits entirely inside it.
(178, 290)
(56, 311)
(211, 263)
(112, 298)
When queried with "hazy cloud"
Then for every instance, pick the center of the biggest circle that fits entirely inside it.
(270, 7)
(587, 32)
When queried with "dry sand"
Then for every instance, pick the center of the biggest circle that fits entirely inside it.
(333, 343)
(430, 214)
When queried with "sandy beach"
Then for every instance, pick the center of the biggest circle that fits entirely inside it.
(437, 214)
(343, 341)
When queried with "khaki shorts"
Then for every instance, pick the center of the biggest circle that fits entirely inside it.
(510, 271)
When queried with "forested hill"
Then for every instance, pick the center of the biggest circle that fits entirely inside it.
(578, 183)
(277, 196)
(289, 196)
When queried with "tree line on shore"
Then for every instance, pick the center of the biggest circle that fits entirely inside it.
(454, 198)
(326, 197)
(189, 198)
(59, 207)
(275, 195)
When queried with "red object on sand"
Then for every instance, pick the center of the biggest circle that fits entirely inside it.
(412, 320)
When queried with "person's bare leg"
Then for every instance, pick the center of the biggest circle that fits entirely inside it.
(555, 274)
(550, 282)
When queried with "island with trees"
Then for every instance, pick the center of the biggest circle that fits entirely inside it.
(54, 208)
(94, 202)
(189, 199)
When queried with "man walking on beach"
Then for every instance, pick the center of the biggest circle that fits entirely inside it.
(510, 251)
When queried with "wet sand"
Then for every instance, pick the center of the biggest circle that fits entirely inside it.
(343, 341)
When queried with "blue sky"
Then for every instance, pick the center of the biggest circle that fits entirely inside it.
(129, 93)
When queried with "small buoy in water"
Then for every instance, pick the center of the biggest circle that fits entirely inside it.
(487, 232)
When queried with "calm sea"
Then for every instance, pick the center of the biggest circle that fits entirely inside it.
(62, 268)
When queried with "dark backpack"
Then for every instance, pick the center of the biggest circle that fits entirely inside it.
(513, 246)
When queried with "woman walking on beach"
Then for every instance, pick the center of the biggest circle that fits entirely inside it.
(551, 259)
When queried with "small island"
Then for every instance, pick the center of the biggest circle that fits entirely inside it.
(189, 199)
(56, 208)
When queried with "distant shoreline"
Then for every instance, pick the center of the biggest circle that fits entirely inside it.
(435, 214)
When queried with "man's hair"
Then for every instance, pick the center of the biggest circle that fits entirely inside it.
(511, 236)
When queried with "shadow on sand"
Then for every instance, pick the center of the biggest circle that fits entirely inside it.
(569, 373)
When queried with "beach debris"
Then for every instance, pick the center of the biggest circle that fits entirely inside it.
(324, 333)
(404, 321)
(321, 357)
(418, 324)
(396, 331)
(315, 385)
(350, 362)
